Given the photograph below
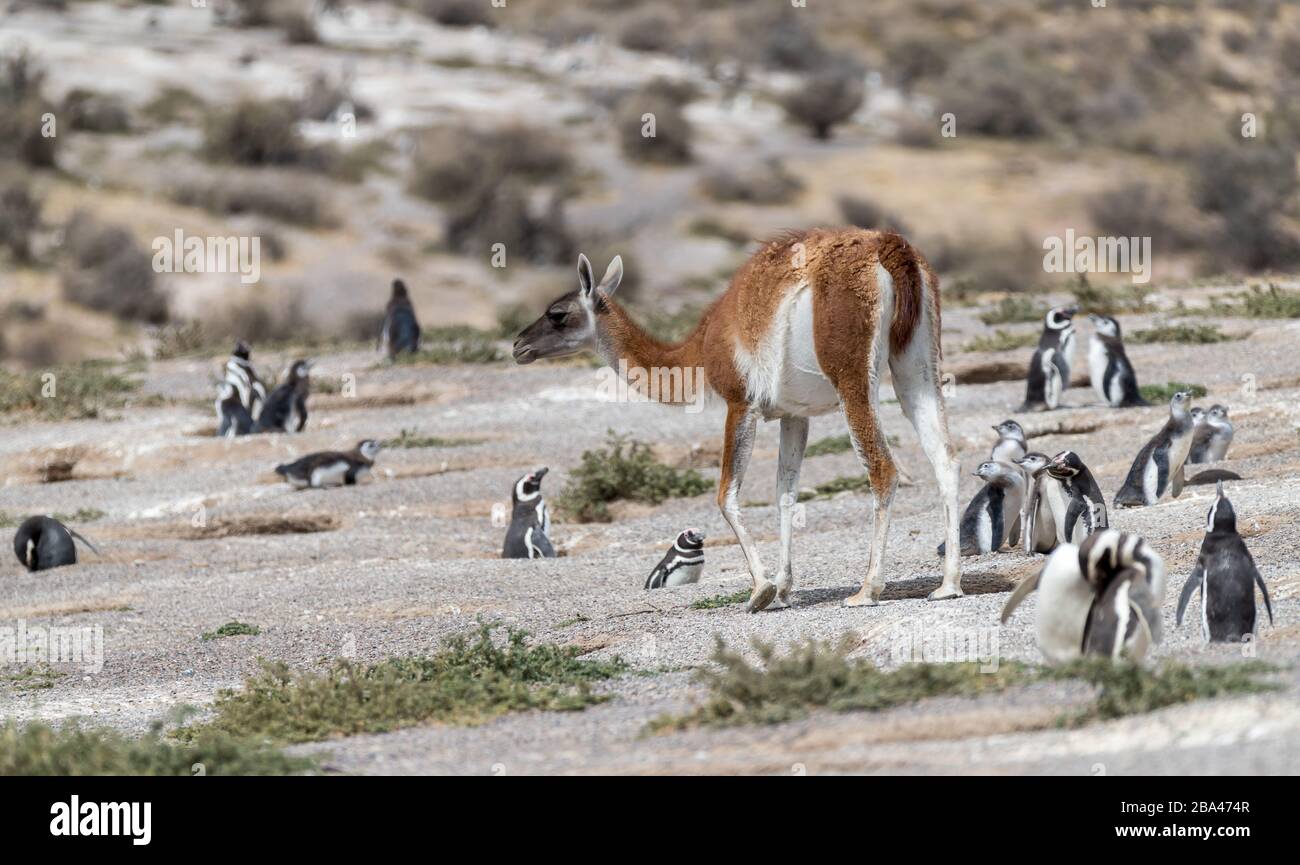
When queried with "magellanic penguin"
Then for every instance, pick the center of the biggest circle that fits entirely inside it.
(1085, 506)
(682, 564)
(331, 468)
(1212, 436)
(1109, 368)
(234, 419)
(1226, 576)
(44, 542)
(529, 534)
(286, 406)
(1011, 442)
(400, 331)
(993, 516)
(1044, 498)
(1099, 598)
(1159, 465)
(1049, 370)
(243, 377)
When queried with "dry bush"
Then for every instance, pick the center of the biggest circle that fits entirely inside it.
(452, 163)
(324, 98)
(458, 13)
(827, 98)
(978, 264)
(865, 213)
(22, 110)
(88, 111)
(106, 270)
(20, 217)
(671, 141)
(285, 199)
(255, 132)
(505, 214)
(1138, 208)
(767, 182)
(653, 30)
(1250, 186)
(914, 54)
(996, 89)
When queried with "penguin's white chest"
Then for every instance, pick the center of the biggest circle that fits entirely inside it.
(1064, 599)
(685, 573)
(1098, 360)
(331, 475)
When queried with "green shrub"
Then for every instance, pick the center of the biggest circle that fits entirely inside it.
(412, 439)
(829, 445)
(1013, 310)
(231, 629)
(1162, 393)
(78, 391)
(1001, 340)
(623, 470)
(719, 601)
(1192, 334)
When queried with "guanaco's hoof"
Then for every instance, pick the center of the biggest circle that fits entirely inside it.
(861, 599)
(944, 593)
(763, 595)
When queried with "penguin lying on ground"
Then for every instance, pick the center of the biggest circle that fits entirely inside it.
(400, 331)
(1100, 598)
(241, 375)
(529, 534)
(1109, 368)
(1226, 576)
(233, 417)
(1049, 370)
(1043, 498)
(286, 407)
(682, 564)
(1159, 465)
(993, 516)
(331, 468)
(1212, 435)
(1011, 442)
(1085, 510)
(44, 542)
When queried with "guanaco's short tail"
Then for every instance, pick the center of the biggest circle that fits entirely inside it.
(904, 265)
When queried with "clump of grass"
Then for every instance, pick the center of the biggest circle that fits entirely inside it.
(842, 484)
(33, 678)
(83, 390)
(1271, 302)
(624, 469)
(37, 749)
(829, 445)
(409, 438)
(469, 680)
(454, 344)
(1130, 689)
(1001, 340)
(232, 629)
(1110, 299)
(1012, 310)
(719, 601)
(1192, 334)
(820, 675)
(80, 515)
(1162, 393)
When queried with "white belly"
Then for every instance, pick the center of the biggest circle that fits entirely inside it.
(685, 574)
(330, 475)
(1064, 598)
(800, 387)
(1097, 360)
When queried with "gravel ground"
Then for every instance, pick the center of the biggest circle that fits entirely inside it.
(412, 558)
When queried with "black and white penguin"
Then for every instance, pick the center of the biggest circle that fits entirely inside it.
(1109, 368)
(1049, 370)
(682, 564)
(1085, 505)
(1212, 436)
(1043, 498)
(241, 375)
(1099, 598)
(993, 516)
(43, 542)
(233, 417)
(1159, 465)
(529, 534)
(1010, 444)
(1226, 576)
(331, 468)
(400, 331)
(286, 406)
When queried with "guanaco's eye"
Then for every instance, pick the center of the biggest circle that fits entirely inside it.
(557, 316)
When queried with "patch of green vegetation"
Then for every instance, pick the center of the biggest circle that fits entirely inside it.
(454, 344)
(820, 675)
(1013, 309)
(232, 629)
(1110, 299)
(1192, 334)
(409, 438)
(80, 515)
(718, 601)
(1001, 340)
(33, 678)
(577, 619)
(469, 680)
(623, 470)
(842, 484)
(77, 391)
(1162, 393)
(829, 445)
(1258, 302)
(37, 749)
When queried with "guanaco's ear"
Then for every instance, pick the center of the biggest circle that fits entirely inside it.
(613, 276)
(586, 277)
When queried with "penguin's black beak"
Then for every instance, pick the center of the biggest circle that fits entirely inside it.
(540, 473)
(523, 352)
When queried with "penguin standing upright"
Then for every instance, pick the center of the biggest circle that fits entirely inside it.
(1102, 597)
(1109, 368)
(1011, 442)
(43, 542)
(233, 417)
(529, 534)
(241, 375)
(400, 331)
(1049, 370)
(682, 564)
(1159, 465)
(993, 515)
(1226, 576)
(286, 406)
(1212, 437)
(1043, 500)
(1085, 508)
(331, 468)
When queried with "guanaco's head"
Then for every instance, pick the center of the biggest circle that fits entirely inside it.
(569, 324)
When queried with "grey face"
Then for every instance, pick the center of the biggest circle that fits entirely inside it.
(1105, 325)
(369, 448)
(1009, 429)
(1033, 463)
(1198, 415)
(1217, 413)
(1181, 399)
(569, 324)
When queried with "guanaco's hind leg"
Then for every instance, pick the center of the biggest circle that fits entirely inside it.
(873, 451)
(738, 442)
(794, 438)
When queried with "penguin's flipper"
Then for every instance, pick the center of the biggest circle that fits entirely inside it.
(656, 579)
(1022, 591)
(94, 550)
(1268, 605)
(543, 545)
(1013, 536)
(1178, 481)
(1193, 583)
(1143, 636)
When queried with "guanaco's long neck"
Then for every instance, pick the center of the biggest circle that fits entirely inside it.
(619, 338)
